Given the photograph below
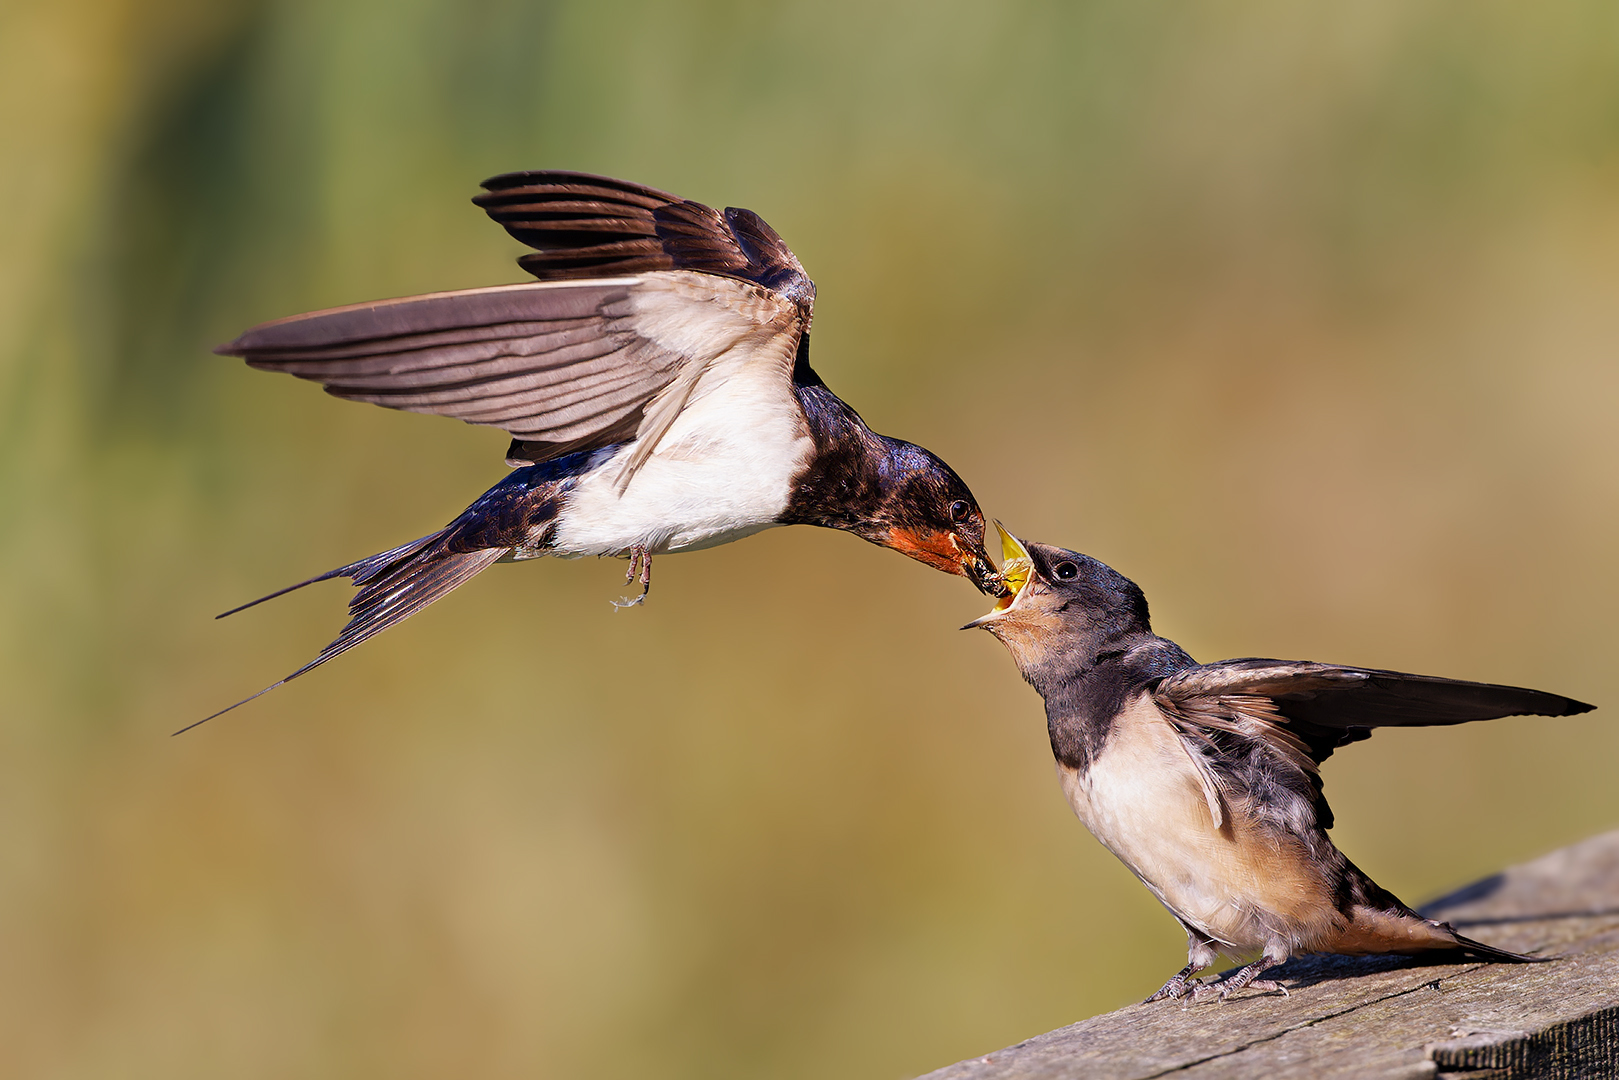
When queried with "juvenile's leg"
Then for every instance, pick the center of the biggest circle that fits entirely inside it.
(1200, 953)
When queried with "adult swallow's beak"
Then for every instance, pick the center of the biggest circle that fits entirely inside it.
(948, 552)
(1016, 571)
(980, 570)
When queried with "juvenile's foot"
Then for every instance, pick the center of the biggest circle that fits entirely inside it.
(1175, 988)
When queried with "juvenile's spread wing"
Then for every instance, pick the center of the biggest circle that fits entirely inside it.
(1301, 712)
(562, 366)
(1333, 697)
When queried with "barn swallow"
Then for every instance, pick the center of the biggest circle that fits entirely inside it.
(1204, 779)
(657, 386)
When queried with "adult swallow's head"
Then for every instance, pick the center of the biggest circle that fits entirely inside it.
(927, 512)
(1060, 604)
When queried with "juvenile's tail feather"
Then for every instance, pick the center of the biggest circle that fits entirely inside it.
(393, 584)
(1490, 952)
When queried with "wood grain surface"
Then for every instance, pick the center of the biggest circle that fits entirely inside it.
(1387, 1016)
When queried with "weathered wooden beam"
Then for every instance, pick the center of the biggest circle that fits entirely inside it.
(1389, 1017)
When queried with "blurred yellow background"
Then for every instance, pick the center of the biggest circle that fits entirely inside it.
(1303, 317)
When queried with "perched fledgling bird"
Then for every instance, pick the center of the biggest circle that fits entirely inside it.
(1204, 778)
(656, 384)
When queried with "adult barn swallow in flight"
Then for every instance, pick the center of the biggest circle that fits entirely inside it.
(1204, 778)
(656, 384)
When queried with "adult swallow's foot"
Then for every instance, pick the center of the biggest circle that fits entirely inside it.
(640, 563)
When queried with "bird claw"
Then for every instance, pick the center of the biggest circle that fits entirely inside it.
(1243, 980)
(1188, 991)
(1175, 988)
(1222, 994)
(640, 565)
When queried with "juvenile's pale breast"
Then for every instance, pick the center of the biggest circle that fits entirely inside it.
(1239, 884)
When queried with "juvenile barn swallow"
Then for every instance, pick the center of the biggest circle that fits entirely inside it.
(1204, 778)
(656, 384)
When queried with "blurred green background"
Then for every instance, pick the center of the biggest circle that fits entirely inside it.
(1303, 317)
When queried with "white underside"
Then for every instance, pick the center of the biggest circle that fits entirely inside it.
(1142, 799)
(724, 470)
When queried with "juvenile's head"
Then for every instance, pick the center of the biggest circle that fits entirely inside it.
(1063, 609)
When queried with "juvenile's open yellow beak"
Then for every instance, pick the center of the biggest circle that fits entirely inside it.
(1016, 566)
(1016, 570)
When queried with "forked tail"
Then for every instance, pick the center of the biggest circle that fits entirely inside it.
(393, 584)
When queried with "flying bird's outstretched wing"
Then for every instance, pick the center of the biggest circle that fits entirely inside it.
(584, 226)
(562, 366)
(639, 293)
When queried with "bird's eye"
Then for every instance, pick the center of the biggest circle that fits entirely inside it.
(959, 511)
(1065, 571)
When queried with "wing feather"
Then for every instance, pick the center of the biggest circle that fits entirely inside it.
(560, 346)
(569, 217)
(562, 366)
(1297, 713)
(495, 384)
(1332, 696)
(640, 292)
(431, 312)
